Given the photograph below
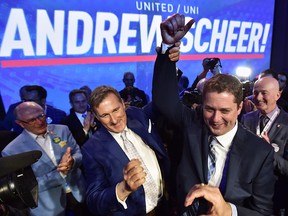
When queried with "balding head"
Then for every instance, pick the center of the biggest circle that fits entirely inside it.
(266, 93)
(31, 117)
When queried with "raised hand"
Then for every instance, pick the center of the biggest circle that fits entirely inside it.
(66, 162)
(173, 28)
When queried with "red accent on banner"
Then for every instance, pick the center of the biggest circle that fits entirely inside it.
(115, 59)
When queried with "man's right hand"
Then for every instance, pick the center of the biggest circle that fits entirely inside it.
(173, 28)
(134, 177)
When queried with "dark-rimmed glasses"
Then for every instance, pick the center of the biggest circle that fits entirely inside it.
(42, 116)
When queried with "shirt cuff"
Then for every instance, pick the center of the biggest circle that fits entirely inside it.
(123, 203)
(165, 47)
(234, 210)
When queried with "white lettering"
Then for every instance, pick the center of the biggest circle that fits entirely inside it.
(243, 36)
(231, 36)
(127, 33)
(45, 31)
(255, 35)
(16, 24)
(107, 33)
(146, 36)
(218, 35)
(198, 34)
(73, 45)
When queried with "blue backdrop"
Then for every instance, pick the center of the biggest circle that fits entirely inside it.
(63, 45)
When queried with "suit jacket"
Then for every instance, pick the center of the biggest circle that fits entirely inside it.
(104, 160)
(250, 179)
(56, 115)
(76, 128)
(52, 196)
(278, 133)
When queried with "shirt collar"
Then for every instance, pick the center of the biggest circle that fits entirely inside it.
(269, 115)
(226, 139)
(34, 136)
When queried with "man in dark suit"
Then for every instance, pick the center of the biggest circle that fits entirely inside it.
(275, 131)
(241, 178)
(80, 120)
(131, 95)
(118, 181)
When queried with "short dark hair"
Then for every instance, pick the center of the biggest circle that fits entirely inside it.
(42, 93)
(269, 72)
(224, 83)
(77, 91)
(100, 93)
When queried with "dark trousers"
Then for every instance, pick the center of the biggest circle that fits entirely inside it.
(75, 208)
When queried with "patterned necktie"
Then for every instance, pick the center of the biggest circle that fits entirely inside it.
(263, 121)
(150, 186)
(211, 157)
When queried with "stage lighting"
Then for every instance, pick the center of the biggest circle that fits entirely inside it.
(18, 184)
(243, 73)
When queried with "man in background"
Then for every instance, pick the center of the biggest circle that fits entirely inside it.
(80, 120)
(270, 122)
(131, 95)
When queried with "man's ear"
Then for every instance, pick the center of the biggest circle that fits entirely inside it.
(19, 123)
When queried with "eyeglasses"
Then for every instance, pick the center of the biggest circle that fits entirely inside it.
(33, 120)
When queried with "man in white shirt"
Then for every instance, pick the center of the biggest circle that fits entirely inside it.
(228, 176)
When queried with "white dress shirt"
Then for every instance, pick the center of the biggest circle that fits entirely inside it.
(150, 160)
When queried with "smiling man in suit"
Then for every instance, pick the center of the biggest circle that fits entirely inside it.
(117, 179)
(231, 174)
(61, 184)
(274, 129)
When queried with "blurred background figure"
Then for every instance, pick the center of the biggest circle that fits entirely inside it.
(131, 95)
(87, 89)
(8, 123)
(80, 120)
(37, 94)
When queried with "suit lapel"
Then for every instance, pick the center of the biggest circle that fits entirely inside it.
(277, 125)
(111, 145)
(76, 121)
(235, 159)
(137, 128)
(33, 145)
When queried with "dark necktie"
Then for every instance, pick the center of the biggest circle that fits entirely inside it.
(263, 121)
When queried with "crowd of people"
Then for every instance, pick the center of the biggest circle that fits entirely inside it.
(207, 149)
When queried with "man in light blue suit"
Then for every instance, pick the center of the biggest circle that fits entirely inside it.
(57, 171)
